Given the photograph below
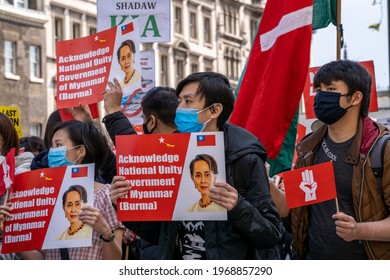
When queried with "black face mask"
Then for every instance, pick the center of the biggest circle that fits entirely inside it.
(327, 106)
(145, 127)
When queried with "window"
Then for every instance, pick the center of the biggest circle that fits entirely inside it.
(21, 4)
(179, 70)
(194, 68)
(36, 129)
(35, 61)
(207, 30)
(208, 65)
(10, 57)
(76, 30)
(253, 29)
(58, 29)
(193, 30)
(18, 3)
(164, 71)
(178, 20)
(92, 30)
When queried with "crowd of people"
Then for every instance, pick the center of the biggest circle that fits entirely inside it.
(259, 223)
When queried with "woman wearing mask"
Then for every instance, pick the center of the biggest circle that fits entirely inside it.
(76, 142)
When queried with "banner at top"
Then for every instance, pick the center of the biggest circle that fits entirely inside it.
(154, 17)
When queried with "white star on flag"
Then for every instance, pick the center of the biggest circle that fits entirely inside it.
(96, 38)
(42, 174)
(161, 140)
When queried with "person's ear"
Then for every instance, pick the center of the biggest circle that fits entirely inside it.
(357, 97)
(152, 121)
(216, 110)
(81, 152)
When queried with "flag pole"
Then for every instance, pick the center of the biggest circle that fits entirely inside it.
(337, 205)
(338, 23)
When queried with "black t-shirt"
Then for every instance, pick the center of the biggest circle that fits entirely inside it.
(190, 242)
(323, 242)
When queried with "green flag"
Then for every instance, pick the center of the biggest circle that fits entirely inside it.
(285, 157)
(324, 12)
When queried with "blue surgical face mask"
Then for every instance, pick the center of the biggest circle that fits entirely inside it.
(186, 120)
(327, 106)
(57, 156)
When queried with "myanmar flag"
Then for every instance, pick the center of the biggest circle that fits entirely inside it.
(274, 78)
(272, 82)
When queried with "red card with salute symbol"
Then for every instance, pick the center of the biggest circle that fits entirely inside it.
(309, 185)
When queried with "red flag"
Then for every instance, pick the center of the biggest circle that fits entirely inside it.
(127, 28)
(78, 172)
(309, 185)
(274, 78)
(7, 171)
(205, 140)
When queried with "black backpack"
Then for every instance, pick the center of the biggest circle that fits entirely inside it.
(377, 157)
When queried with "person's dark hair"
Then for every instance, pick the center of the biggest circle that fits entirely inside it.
(80, 189)
(354, 75)
(10, 135)
(215, 88)
(33, 144)
(162, 103)
(52, 121)
(129, 43)
(207, 158)
(96, 146)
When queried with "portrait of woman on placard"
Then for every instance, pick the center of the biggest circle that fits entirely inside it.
(204, 170)
(72, 201)
(126, 59)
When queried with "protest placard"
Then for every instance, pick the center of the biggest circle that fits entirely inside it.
(40, 219)
(13, 113)
(170, 175)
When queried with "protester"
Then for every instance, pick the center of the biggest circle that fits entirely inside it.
(76, 142)
(33, 144)
(361, 230)
(205, 103)
(80, 113)
(158, 114)
(9, 139)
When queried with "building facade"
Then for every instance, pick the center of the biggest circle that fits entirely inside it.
(206, 36)
(23, 63)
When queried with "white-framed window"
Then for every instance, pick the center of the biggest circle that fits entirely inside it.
(207, 29)
(179, 70)
(253, 29)
(76, 30)
(164, 71)
(36, 129)
(92, 30)
(18, 3)
(58, 29)
(10, 57)
(35, 62)
(194, 67)
(178, 20)
(193, 25)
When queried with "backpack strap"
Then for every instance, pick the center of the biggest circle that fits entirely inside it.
(377, 158)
